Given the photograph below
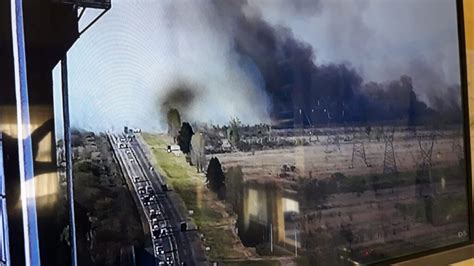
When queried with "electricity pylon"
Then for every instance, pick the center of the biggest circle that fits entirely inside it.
(389, 161)
(358, 149)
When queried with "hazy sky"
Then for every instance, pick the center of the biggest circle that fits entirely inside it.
(122, 66)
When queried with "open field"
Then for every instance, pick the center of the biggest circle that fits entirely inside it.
(363, 209)
(321, 160)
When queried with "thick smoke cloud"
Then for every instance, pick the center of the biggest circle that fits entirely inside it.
(180, 97)
(292, 63)
(304, 93)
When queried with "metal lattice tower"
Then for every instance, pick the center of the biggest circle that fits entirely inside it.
(426, 144)
(332, 140)
(358, 149)
(389, 161)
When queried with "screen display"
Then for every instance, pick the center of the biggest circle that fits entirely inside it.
(259, 132)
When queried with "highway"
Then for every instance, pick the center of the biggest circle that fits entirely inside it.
(186, 252)
(152, 204)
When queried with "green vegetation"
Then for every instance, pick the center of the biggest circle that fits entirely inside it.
(184, 138)
(215, 177)
(211, 218)
(100, 195)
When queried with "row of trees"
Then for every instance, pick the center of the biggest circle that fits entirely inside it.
(191, 143)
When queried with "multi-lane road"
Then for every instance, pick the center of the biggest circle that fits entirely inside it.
(169, 240)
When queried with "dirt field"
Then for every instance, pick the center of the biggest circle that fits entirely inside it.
(320, 160)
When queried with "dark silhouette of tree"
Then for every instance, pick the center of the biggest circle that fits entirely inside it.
(174, 122)
(184, 138)
(215, 175)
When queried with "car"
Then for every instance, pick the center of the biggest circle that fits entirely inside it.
(141, 190)
(159, 249)
(128, 152)
(122, 140)
(154, 214)
(159, 232)
(149, 189)
(163, 224)
(163, 232)
(122, 146)
(132, 160)
(136, 179)
(151, 169)
(169, 260)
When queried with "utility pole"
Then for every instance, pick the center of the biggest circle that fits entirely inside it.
(25, 147)
(296, 243)
(271, 238)
(68, 155)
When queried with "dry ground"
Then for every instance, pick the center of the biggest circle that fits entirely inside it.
(320, 161)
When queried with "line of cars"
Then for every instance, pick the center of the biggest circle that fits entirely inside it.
(164, 245)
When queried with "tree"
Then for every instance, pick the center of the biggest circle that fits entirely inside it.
(215, 176)
(198, 156)
(233, 131)
(184, 137)
(174, 122)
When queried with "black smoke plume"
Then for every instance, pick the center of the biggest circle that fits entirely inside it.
(179, 96)
(303, 93)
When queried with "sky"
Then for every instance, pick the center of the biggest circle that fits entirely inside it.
(122, 70)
